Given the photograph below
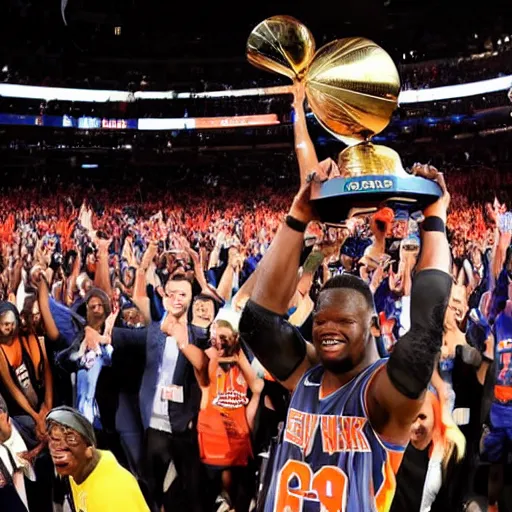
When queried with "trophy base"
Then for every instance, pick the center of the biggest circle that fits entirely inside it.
(339, 199)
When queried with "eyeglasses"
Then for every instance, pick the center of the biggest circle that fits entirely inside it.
(69, 436)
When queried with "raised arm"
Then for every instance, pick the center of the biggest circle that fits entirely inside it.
(304, 147)
(75, 272)
(199, 272)
(140, 297)
(15, 276)
(214, 255)
(274, 341)
(397, 392)
(102, 277)
(256, 385)
(43, 296)
(225, 287)
(245, 292)
(197, 358)
(48, 382)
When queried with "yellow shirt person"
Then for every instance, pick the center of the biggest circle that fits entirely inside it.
(109, 488)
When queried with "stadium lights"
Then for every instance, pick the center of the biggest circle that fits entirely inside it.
(503, 83)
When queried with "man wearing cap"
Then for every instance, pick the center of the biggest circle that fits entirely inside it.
(24, 475)
(98, 482)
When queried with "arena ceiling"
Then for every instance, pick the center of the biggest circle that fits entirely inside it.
(433, 27)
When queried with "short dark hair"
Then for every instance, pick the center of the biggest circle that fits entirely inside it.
(205, 298)
(351, 282)
(179, 277)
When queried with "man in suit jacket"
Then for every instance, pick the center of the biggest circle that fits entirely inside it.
(169, 400)
(25, 472)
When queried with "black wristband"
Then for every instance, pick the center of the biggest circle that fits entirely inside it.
(434, 224)
(487, 359)
(295, 224)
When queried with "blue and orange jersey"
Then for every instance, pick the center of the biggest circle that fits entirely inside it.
(330, 459)
(228, 387)
(223, 430)
(503, 358)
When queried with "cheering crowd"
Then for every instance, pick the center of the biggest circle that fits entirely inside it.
(152, 353)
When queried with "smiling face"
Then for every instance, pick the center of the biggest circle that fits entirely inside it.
(178, 295)
(68, 449)
(203, 310)
(341, 329)
(421, 429)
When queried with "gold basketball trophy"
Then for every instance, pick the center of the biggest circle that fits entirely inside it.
(352, 88)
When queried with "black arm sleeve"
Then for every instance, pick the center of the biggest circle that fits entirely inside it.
(276, 343)
(430, 292)
(411, 364)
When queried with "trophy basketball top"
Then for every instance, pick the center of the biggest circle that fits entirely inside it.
(352, 84)
(283, 45)
(352, 87)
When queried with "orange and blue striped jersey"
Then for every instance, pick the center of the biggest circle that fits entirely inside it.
(330, 459)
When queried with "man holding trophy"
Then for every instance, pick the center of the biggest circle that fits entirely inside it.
(350, 414)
